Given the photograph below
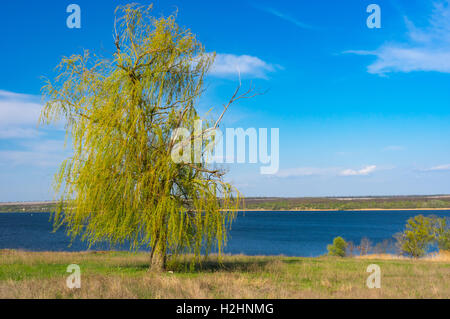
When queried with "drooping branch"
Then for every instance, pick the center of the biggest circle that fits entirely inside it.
(120, 185)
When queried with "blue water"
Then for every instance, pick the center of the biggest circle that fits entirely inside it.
(265, 233)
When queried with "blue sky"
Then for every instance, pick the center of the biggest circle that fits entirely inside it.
(360, 111)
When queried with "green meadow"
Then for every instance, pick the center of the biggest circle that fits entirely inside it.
(126, 275)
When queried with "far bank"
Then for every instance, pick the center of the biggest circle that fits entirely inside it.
(300, 204)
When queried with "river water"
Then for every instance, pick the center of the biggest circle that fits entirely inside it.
(253, 233)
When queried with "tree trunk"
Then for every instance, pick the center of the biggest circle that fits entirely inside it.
(158, 258)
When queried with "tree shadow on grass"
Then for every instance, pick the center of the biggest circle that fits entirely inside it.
(229, 263)
(214, 265)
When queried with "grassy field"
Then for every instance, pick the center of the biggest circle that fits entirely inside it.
(125, 275)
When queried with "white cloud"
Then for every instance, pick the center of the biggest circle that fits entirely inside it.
(47, 153)
(427, 48)
(19, 115)
(17, 132)
(444, 167)
(364, 171)
(226, 65)
(324, 171)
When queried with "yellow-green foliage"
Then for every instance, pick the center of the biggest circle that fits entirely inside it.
(441, 233)
(121, 184)
(338, 247)
(417, 236)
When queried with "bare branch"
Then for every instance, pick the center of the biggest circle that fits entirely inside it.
(216, 173)
(234, 98)
(116, 36)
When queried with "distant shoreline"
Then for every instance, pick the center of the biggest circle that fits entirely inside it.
(298, 204)
(287, 211)
(338, 210)
(26, 203)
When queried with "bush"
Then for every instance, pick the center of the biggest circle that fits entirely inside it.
(338, 247)
(441, 233)
(417, 237)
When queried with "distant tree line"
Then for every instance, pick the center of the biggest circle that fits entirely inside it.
(347, 204)
(298, 204)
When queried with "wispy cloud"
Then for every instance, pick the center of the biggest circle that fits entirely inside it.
(445, 167)
(18, 132)
(364, 171)
(306, 171)
(19, 114)
(427, 48)
(226, 65)
(45, 153)
(283, 16)
(325, 171)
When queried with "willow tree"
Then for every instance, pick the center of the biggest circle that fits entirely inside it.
(121, 184)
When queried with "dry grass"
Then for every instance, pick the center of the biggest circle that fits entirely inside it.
(125, 275)
(443, 256)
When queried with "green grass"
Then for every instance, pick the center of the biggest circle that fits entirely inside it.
(126, 275)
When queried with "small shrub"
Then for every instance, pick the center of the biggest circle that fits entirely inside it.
(441, 233)
(350, 249)
(338, 247)
(365, 246)
(417, 237)
(382, 247)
